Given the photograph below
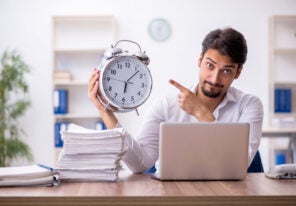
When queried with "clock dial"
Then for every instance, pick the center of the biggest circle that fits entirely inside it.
(159, 29)
(127, 82)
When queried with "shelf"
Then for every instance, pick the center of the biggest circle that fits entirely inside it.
(77, 116)
(71, 83)
(78, 43)
(284, 33)
(284, 115)
(79, 50)
(79, 64)
(285, 83)
(73, 32)
(285, 50)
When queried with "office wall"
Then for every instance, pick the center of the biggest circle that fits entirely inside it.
(26, 25)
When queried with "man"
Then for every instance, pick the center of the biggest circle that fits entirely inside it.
(211, 100)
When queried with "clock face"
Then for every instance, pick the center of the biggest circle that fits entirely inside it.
(126, 82)
(159, 29)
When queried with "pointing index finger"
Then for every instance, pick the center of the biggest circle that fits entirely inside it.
(178, 85)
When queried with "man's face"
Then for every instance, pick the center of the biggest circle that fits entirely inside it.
(216, 74)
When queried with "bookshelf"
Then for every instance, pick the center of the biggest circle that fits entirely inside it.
(78, 43)
(282, 67)
(282, 81)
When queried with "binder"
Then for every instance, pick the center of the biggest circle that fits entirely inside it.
(60, 101)
(100, 125)
(282, 100)
(59, 126)
(31, 175)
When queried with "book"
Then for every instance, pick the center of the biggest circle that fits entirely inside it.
(91, 155)
(61, 76)
(282, 100)
(31, 175)
(60, 97)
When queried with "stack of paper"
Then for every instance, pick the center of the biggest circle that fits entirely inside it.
(91, 155)
(33, 175)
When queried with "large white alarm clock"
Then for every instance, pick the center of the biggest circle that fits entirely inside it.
(125, 80)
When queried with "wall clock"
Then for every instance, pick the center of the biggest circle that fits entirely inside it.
(159, 29)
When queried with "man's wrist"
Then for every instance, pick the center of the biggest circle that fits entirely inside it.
(206, 116)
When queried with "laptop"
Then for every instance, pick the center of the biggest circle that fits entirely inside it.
(203, 151)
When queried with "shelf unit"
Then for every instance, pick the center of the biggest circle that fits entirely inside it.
(78, 43)
(282, 75)
(282, 66)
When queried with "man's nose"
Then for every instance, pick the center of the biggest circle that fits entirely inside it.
(215, 76)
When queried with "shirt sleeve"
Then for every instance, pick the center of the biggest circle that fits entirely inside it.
(252, 113)
(143, 153)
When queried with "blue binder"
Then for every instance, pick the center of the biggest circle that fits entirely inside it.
(59, 126)
(100, 125)
(282, 100)
(60, 101)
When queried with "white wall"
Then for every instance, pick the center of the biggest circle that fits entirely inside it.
(26, 25)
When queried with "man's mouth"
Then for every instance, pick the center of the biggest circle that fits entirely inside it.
(214, 85)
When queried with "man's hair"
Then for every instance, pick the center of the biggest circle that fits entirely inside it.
(228, 42)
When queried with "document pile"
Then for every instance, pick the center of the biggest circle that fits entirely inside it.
(33, 175)
(91, 155)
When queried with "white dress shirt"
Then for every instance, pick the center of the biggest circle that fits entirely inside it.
(237, 106)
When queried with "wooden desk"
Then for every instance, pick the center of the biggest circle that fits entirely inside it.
(256, 189)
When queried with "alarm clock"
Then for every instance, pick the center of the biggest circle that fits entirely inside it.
(125, 79)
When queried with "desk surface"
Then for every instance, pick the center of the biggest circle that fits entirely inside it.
(137, 189)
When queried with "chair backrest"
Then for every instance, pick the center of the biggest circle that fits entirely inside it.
(256, 165)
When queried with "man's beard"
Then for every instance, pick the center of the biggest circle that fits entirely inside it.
(211, 93)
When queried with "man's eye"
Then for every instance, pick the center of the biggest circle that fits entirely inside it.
(227, 71)
(209, 65)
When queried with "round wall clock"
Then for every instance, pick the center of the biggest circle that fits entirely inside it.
(159, 29)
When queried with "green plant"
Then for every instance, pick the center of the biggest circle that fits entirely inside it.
(14, 101)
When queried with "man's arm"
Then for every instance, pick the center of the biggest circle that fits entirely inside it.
(253, 114)
(93, 85)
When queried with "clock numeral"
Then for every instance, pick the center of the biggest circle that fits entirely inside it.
(108, 79)
(110, 88)
(142, 85)
(132, 98)
(115, 94)
(139, 93)
(113, 71)
(127, 64)
(123, 99)
(141, 76)
(119, 66)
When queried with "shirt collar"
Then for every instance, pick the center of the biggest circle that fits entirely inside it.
(229, 97)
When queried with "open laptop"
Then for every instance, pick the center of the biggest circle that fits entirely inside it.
(203, 151)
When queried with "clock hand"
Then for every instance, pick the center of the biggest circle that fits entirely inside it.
(133, 75)
(127, 81)
(125, 84)
(117, 80)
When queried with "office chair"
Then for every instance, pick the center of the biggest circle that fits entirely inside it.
(256, 165)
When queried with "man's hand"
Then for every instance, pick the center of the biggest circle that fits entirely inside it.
(93, 88)
(191, 103)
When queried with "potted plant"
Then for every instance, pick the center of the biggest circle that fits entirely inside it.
(14, 101)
